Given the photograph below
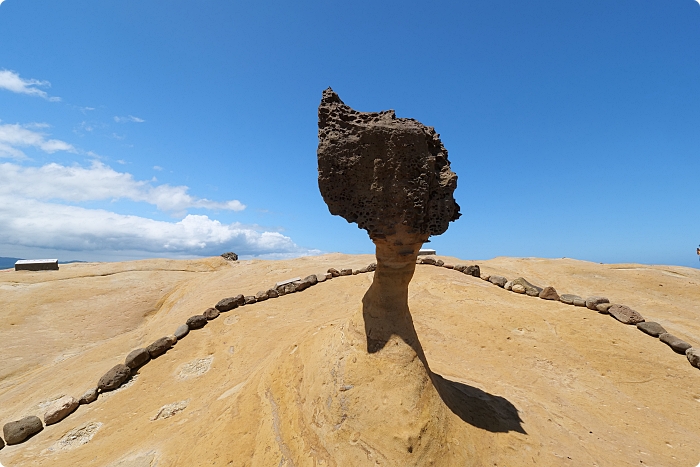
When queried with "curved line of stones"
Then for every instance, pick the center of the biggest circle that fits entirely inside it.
(19, 431)
(622, 313)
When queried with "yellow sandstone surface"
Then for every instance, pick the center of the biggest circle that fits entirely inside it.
(286, 382)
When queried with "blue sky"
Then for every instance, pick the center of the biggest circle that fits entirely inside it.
(139, 129)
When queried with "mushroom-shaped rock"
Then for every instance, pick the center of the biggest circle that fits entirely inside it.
(60, 409)
(114, 378)
(17, 431)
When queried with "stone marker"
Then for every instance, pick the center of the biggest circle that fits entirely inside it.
(346, 272)
(162, 345)
(60, 409)
(625, 314)
(448, 266)
(250, 299)
(227, 304)
(548, 293)
(569, 298)
(321, 278)
(334, 272)
(693, 355)
(531, 290)
(114, 378)
(603, 308)
(518, 288)
(36, 265)
(593, 302)
(288, 281)
(485, 277)
(427, 261)
(678, 345)
(182, 331)
(461, 268)
(509, 285)
(651, 328)
(301, 285)
(272, 293)
(498, 280)
(18, 431)
(88, 396)
(137, 358)
(579, 301)
(196, 322)
(212, 313)
(261, 296)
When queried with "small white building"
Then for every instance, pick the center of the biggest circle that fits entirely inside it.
(36, 265)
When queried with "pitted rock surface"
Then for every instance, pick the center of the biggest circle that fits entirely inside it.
(114, 378)
(549, 294)
(137, 358)
(651, 328)
(678, 345)
(381, 171)
(625, 314)
(17, 431)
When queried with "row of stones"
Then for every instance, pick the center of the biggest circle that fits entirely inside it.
(18, 431)
(622, 313)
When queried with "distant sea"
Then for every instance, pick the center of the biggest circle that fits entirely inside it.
(9, 263)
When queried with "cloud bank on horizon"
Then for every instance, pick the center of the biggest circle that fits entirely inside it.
(51, 206)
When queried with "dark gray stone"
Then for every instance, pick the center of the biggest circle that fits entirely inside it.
(196, 322)
(334, 272)
(448, 266)
(498, 280)
(88, 396)
(312, 279)
(651, 328)
(678, 345)
(250, 299)
(261, 296)
(301, 285)
(371, 267)
(272, 293)
(625, 314)
(473, 270)
(603, 308)
(368, 175)
(162, 345)
(548, 293)
(593, 302)
(430, 261)
(693, 356)
(18, 431)
(230, 256)
(579, 302)
(182, 331)
(211, 313)
(2, 443)
(569, 298)
(114, 378)
(460, 268)
(137, 358)
(531, 290)
(346, 272)
(439, 263)
(227, 304)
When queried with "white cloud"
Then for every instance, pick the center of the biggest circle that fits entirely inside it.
(12, 82)
(35, 224)
(130, 118)
(99, 182)
(14, 136)
(158, 168)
